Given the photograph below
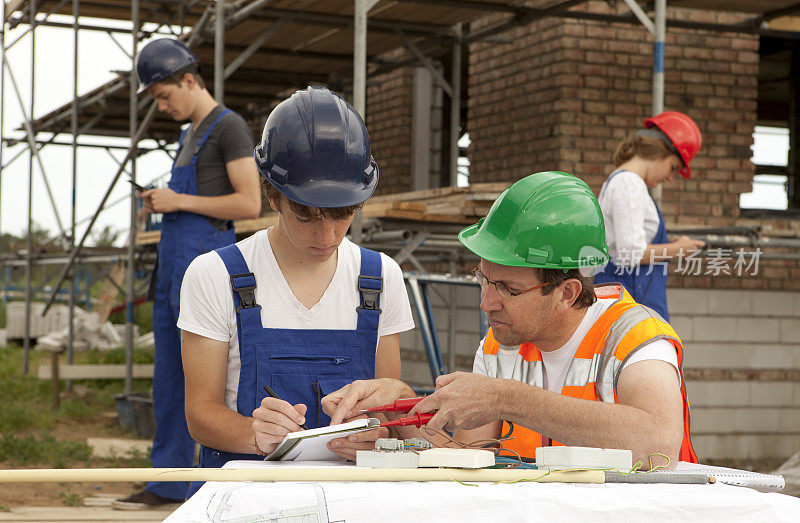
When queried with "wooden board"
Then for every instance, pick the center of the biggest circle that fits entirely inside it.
(94, 372)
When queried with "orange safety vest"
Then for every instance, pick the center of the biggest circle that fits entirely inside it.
(621, 330)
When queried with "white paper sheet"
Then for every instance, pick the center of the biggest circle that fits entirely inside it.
(312, 444)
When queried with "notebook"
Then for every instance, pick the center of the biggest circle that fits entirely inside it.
(312, 444)
(741, 478)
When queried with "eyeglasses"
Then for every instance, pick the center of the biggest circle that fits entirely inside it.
(501, 287)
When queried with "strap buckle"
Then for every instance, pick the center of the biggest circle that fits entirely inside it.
(369, 294)
(246, 293)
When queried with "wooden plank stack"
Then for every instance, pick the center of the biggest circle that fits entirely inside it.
(455, 205)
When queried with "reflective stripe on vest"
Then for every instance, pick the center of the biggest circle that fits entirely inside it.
(621, 330)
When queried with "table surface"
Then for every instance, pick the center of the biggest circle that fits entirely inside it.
(452, 501)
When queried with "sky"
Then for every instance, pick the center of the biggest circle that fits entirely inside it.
(98, 57)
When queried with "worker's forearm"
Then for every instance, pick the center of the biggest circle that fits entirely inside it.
(218, 427)
(233, 206)
(584, 423)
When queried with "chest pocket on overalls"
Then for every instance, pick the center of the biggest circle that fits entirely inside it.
(298, 375)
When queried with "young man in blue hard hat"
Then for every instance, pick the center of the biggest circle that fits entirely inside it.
(296, 307)
(564, 362)
(214, 181)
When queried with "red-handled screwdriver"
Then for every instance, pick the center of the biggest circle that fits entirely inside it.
(417, 420)
(403, 405)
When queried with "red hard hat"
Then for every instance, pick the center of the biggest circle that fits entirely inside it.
(682, 132)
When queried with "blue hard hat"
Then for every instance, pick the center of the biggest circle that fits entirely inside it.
(161, 59)
(315, 150)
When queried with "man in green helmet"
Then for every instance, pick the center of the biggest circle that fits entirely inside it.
(564, 362)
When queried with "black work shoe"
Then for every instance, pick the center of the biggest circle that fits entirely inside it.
(143, 500)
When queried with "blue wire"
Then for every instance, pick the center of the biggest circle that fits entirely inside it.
(503, 460)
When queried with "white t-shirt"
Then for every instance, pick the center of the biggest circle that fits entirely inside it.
(556, 363)
(630, 216)
(207, 300)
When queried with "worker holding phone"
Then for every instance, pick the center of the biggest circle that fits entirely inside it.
(213, 182)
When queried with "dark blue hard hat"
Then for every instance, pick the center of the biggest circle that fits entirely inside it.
(315, 150)
(161, 59)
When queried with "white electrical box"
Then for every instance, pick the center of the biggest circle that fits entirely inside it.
(456, 458)
(379, 459)
(558, 457)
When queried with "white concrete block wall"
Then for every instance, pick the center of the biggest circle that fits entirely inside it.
(742, 361)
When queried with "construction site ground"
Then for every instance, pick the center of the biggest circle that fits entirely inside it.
(35, 435)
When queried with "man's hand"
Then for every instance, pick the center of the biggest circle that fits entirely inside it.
(273, 420)
(463, 400)
(348, 401)
(347, 447)
(160, 200)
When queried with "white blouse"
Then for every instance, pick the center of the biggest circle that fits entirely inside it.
(630, 216)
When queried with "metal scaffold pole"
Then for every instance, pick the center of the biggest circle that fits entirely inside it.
(130, 298)
(2, 109)
(74, 130)
(362, 7)
(455, 105)
(29, 244)
(660, 30)
(219, 53)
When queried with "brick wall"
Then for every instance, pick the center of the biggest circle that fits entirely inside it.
(389, 107)
(564, 93)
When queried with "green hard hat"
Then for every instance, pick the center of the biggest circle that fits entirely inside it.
(549, 220)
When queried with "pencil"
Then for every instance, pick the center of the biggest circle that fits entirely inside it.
(271, 392)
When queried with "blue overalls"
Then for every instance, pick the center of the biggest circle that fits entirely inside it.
(647, 284)
(184, 236)
(300, 365)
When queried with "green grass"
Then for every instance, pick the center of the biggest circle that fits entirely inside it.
(134, 459)
(23, 396)
(28, 423)
(142, 316)
(70, 499)
(76, 409)
(44, 449)
(141, 355)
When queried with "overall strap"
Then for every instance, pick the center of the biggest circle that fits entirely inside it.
(180, 140)
(248, 316)
(370, 286)
(243, 287)
(205, 136)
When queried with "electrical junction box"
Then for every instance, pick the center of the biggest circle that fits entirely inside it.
(390, 453)
(558, 457)
(378, 459)
(456, 458)
(394, 454)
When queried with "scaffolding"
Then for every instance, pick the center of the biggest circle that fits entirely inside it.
(263, 49)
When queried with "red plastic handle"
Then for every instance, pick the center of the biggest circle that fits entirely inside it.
(417, 420)
(403, 405)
